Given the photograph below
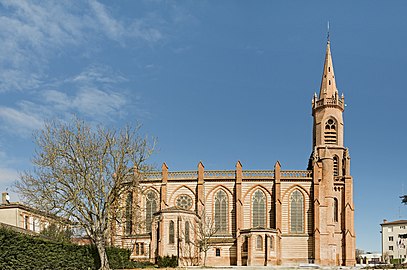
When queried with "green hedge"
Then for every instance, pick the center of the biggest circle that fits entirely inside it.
(168, 261)
(21, 252)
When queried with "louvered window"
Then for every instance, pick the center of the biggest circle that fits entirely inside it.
(336, 166)
(330, 132)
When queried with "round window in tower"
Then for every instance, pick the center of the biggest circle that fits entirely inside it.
(184, 201)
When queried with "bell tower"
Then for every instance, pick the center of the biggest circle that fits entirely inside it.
(333, 189)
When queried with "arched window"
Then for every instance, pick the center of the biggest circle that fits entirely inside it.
(330, 132)
(271, 242)
(221, 212)
(184, 201)
(259, 209)
(336, 210)
(297, 212)
(151, 208)
(259, 242)
(186, 231)
(336, 166)
(129, 213)
(171, 232)
(245, 244)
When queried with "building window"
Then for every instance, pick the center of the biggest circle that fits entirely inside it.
(151, 208)
(297, 212)
(139, 249)
(217, 251)
(246, 244)
(259, 242)
(390, 247)
(402, 227)
(336, 210)
(184, 202)
(336, 166)
(271, 242)
(221, 212)
(186, 231)
(390, 229)
(259, 209)
(33, 224)
(390, 238)
(171, 232)
(330, 132)
(129, 216)
(26, 222)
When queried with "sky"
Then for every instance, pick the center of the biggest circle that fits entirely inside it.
(214, 81)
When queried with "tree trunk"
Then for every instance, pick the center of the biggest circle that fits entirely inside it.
(100, 245)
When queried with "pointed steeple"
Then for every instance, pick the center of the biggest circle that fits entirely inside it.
(328, 84)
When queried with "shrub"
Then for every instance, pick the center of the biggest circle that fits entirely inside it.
(168, 261)
(22, 252)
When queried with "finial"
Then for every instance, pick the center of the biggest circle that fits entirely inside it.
(328, 32)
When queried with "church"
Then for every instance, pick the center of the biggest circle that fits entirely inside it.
(246, 217)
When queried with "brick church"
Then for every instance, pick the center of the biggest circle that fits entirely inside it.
(245, 217)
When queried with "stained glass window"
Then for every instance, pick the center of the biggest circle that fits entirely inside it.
(184, 201)
(297, 212)
(129, 216)
(171, 232)
(259, 243)
(259, 209)
(151, 208)
(221, 212)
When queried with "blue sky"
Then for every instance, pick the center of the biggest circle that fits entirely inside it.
(214, 81)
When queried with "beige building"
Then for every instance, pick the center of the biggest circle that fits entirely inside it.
(28, 219)
(267, 217)
(394, 240)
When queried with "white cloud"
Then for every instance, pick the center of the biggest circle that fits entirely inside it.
(97, 103)
(90, 102)
(98, 74)
(20, 122)
(32, 33)
(113, 28)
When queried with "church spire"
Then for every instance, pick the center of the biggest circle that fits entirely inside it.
(328, 84)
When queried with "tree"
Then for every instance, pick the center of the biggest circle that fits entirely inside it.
(59, 232)
(80, 172)
(205, 230)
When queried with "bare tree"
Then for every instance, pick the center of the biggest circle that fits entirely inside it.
(188, 242)
(79, 173)
(205, 231)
